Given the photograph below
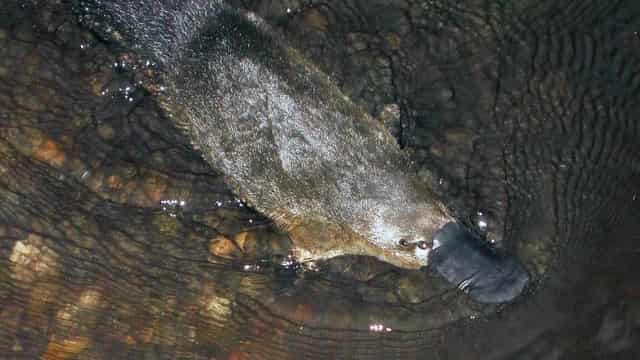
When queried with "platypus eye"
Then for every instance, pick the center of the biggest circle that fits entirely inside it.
(403, 242)
(423, 245)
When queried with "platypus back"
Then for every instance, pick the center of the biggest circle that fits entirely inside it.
(290, 143)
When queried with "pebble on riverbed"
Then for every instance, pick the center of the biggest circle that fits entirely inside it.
(221, 246)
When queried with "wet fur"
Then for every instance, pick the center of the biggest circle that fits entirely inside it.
(289, 142)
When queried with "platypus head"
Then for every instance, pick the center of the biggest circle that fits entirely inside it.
(427, 236)
(400, 234)
(405, 232)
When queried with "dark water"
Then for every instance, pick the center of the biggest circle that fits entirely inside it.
(118, 241)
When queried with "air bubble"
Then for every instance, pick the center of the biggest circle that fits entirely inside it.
(481, 220)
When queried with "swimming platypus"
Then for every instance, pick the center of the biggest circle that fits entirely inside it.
(289, 142)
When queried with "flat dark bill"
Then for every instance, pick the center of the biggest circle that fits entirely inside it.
(467, 261)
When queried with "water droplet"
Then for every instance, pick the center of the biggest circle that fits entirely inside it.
(251, 267)
(482, 224)
(481, 220)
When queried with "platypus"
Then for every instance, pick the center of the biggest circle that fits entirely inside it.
(289, 142)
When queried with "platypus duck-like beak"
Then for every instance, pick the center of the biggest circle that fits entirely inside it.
(470, 263)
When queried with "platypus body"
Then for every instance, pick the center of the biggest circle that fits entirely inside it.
(289, 142)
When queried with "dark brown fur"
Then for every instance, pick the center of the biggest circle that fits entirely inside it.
(289, 141)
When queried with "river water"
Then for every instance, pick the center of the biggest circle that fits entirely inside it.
(118, 241)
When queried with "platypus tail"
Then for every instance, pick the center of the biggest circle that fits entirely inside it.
(159, 30)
